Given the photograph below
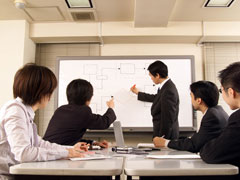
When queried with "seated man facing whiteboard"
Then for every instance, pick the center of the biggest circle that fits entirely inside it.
(225, 148)
(70, 121)
(204, 95)
(165, 105)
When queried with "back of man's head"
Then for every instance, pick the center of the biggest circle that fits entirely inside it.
(79, 91)
(207, 91)
(230, 77)
(158, 67)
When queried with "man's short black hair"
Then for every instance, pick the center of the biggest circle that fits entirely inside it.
(207, 91)
(158, 67)
(79, 91)
(230, 77)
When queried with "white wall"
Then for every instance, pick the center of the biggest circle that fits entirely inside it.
(15, 49)
(29, 47)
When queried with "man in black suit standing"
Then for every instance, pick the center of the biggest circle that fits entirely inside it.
(165, 105)
(226, 147)
(204, 95)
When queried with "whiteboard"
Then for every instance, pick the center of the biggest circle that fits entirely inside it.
(113, 76)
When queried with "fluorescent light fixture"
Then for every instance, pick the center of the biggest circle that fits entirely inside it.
(218, 3)
(79, 3)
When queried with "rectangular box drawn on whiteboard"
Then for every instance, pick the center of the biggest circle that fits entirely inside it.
(127, 68)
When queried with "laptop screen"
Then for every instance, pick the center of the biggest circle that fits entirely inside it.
(117, 128)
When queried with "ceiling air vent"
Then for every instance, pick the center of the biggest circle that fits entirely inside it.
(83, 16)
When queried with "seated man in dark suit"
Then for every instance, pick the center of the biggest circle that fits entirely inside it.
(205, 97)
(226, 147)
(69, 122)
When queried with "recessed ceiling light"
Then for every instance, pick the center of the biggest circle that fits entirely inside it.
(218, 3)
(79, 3)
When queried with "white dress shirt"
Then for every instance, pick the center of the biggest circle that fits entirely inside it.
(19, 141)
(161, 84)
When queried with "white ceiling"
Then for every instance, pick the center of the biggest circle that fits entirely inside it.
(144, 13)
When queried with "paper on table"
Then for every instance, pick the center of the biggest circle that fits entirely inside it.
(145, 145)
(183, 156)
(94, 157)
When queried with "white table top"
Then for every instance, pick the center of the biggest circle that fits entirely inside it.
(106, 167)
(141, 166)
(134, 166)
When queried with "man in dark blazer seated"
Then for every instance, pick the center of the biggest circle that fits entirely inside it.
(165, 105)
(204, 95)
(70, 121)
(226, 147)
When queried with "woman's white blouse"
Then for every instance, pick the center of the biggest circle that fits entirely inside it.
(19, 141)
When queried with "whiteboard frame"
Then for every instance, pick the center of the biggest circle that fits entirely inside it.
(129, 129)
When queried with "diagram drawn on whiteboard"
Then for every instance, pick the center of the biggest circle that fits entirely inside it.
(114, 78)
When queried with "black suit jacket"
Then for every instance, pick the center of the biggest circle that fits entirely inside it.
(164, 110)
(226, 147)
(211, 127)
(70, 122)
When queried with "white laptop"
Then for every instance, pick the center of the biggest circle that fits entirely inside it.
(120, 139)
(117, 128)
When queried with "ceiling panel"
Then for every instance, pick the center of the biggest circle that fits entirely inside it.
(193, 10)
(123, 10)
(114, 10)
(153, 13)
(45, 14)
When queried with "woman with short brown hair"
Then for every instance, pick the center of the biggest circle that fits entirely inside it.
(32, 89)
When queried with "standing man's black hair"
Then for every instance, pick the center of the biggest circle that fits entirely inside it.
(207, 91)
(158, 67)
(79, 91)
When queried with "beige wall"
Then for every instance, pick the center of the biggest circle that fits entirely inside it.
(15, 49)
(157, 49)
(125, 32)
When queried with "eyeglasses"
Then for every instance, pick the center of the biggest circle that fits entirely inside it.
(220, 90)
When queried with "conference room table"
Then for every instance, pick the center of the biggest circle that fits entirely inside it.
(130, 165)
(99, 169)
(177, 168)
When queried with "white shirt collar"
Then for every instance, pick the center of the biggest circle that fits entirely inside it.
(205, 112)
(160, 85)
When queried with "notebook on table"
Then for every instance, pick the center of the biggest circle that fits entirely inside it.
(91, 157)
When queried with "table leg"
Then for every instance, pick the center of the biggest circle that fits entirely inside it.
(129, 177)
